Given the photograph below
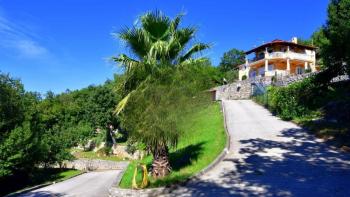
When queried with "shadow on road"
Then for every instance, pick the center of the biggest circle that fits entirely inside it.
(41, 194)
(302, 167)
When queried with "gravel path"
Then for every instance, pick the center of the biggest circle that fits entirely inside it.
(271, 157)
(86, 185)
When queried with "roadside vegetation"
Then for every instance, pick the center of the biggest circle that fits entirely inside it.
(37, 132)
(156, 107)
(203, 140)
(316, 102)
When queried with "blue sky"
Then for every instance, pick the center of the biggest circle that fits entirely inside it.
(66, 44)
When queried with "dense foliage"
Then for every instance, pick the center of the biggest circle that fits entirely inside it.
(231, 60)
(36, 131)
(293, 101)
(229, 64)
(336, 52)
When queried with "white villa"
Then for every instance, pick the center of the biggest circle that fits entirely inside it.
(278, 58)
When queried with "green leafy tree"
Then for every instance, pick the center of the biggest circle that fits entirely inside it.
(158, 44)
(231, 60)
(320, 41)
(336, 53)
(19, 123)
(11, 103)
(229, 64)
(153, 114)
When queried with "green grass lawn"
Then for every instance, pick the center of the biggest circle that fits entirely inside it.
(203, 140)
(93, 155)
(38, 177)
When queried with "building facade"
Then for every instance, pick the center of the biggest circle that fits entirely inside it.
(278, 58)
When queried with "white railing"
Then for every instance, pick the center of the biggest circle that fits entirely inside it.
(300, 56)
(291, 55)
(277, 55)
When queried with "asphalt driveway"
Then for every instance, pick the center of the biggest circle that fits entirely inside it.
(89, 184)
(271, 157)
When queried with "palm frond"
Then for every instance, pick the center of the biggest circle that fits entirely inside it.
(176, 22)
(194, 49)
(192, 61)
(122, 104)
(156, 24)
(184, 35)
(136, 39)
(126, 61)
(159, 49)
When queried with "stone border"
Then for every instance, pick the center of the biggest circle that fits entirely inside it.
(158, 190)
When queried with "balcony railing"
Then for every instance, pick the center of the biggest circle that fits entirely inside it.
(278, 54)
(300, 56)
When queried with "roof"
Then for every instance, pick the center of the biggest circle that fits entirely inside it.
(279, 42)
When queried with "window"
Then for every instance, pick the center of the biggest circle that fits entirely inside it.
(252, 74)
(262, 71)
(271, 67)
(299, 70)
(261, 55)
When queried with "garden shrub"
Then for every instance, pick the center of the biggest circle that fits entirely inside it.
(292, 101)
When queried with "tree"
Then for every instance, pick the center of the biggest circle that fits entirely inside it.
(231, 60)
(18, 124)
(159, 45)
(11, 103)
(336, 53)
(320, 41)
(155, 42)
(152, 115)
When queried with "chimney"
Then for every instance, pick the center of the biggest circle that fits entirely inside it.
(295, 40)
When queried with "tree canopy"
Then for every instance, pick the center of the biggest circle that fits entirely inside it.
(231, 60)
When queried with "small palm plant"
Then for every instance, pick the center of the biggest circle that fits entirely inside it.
(158, 44)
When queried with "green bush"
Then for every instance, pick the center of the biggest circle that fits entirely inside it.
(244, 77)
(308, 70)
(295, 100)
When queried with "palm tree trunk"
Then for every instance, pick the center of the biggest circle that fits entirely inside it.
(161, 165)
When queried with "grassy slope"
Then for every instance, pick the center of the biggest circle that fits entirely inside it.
(203, 141)
(93, 155)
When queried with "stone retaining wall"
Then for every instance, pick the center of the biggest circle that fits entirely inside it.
(95, 164)
(236, 90)
(233, 92)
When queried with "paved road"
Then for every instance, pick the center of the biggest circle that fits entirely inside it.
(86, 185)
(271, 157)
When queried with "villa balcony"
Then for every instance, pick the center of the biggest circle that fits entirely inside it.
(283, 55)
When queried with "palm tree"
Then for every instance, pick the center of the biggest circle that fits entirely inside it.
(155, 42)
